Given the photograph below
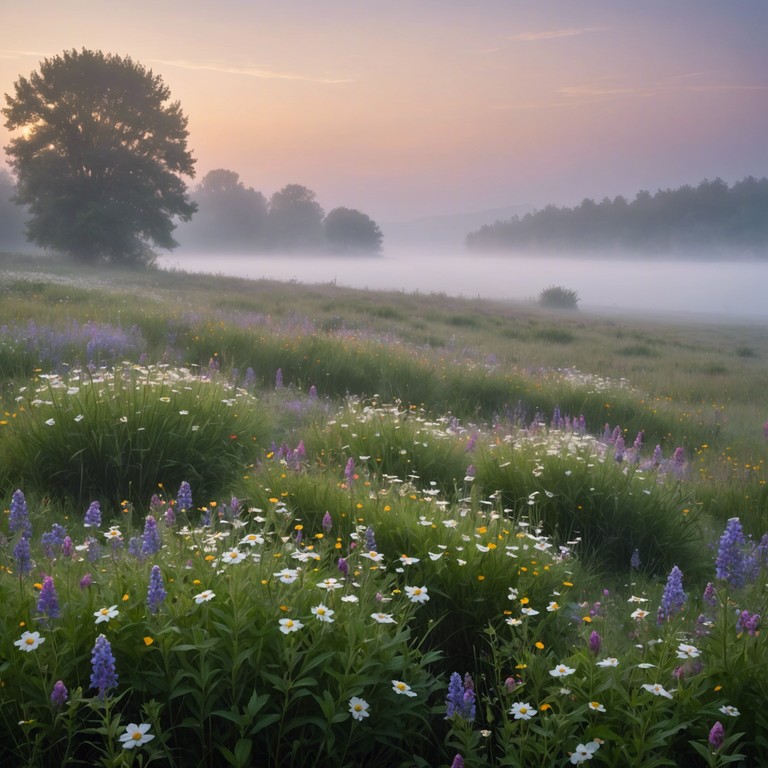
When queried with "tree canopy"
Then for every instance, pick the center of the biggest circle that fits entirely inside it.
(295, 219)
(100, 157)
(351, 231)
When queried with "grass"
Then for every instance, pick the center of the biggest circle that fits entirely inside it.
(388, 489)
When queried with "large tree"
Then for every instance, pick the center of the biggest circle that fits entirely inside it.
(100, 157)
(350, 231)
(295, 219)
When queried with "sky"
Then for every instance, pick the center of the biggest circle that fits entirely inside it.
(415, 108)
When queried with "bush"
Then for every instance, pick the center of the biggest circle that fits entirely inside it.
(556, 297)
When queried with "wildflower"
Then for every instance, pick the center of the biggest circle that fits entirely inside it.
(730, 563)
(584, 752)
(405, 560)
(716, 736)
(279, 378)
(358, 708)
(596, 706)
(184, 497)
(205, 596)
(287, 575)
(156, 591)
(53, 540)
(232, 557)
(513, 622)
(561, 670)
(18, 519)
(673, 598)
(327, 523)
(710, 596)
(350, 599)
(370, 538)
(634, 561)
(513, 593)
(383, 618)
(67, 547)
(522, 711)
(93, 515)
(725, 709)
(349, 471)
(373, 556)
(48, 601)
(657, 690)
(611, 661)
(330, 584)
(398, 686)
(59, 694)
(595, 642)
(22, 555)
(685, 651)
(748, 622)
(105, 614)
(417, 594)
(529, 611)
(150, 540)
(553, 606)
(458, 761)
(252, 539)
(512, 684)
(343, 566)
(322, 613)
(103, 675)
(289, 625)
(29, 641)
(86, 581)
(460, 700)
(639, 614)
(136, 735)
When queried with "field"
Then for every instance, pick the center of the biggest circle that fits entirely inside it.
(251, 523)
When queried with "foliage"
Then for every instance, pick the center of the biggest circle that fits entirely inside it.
(295, 219)
(707, 216)
(351, 231)
(557, 297)
(100, 158)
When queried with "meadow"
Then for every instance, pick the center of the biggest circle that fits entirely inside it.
(251, 523)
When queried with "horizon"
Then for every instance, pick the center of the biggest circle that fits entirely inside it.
(414, 111)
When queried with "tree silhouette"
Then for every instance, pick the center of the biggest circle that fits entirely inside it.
(295, 219)
(351, 231)
(100, 157)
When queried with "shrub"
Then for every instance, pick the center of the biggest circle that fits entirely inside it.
(556, 297)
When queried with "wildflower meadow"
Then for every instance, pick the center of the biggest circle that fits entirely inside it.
(264, 525)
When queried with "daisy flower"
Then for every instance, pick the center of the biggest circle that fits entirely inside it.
(417, 594)
(105, 614)
(322, 613)
(522, 711)
(29, 641)
(205, 596)
(136, 735)
(289, 625)
(358, 708)
(398, 686)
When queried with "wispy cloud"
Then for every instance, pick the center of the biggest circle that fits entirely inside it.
(10, 55)
(247, 70)
(555, 34)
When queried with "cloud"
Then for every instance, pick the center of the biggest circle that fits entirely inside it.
(247, 71)
(555, 34)
(11, 55)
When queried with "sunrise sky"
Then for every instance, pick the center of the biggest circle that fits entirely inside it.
(412, 108)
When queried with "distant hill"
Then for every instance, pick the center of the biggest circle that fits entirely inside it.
(709, 220)
(445, 231)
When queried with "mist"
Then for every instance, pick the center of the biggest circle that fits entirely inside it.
(713, 290)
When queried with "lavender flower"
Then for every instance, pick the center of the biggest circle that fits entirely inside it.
(458, 761)
(93, 552)
(634, 561)
(710, 596)
(134, 547)
(716, 736)
(53, 540)
(595, 643)
(103, 674)
(461, 700)
(370, 539)
(93, 515)
(343, 566)
(313, 392)
(249, 382)
(150, 540)
(327, 523)
(471, 442)
(67, 548)
(18, 520)
(184, 497)
(673, 598)
(59, 694)
(86, 581)
(730, 565)
(658, 457)
(156, 592)
(22, 555)
(619, 449)
(169, 517)
(349, 471)
(48, 601)
(748, 622)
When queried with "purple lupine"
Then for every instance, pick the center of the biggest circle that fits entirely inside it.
(86, 581)
(53, 540)
(370, 539)
(155, 504)
(716, 736)
(471, 471)
(134, 547)
(18, 519)
(184, 497)
(595, 642)
(458, 761)
(748, 622)
(343, 566)
(619, 449)
(327, 523)
(677, 464)
(22, 555)
(710, 596)
(606, 438)
(349, 471)
(279, 379)
(469, 707)
(313, 392)
(150, 539)
(156, 591)
(658, 457)
(93, 553)
(67, 547)
(455, 699)
(729, 564)
(103, 674)
(93, 515)
(59, 694)
(557, 420)
(48, 600)
(169, 516)
(234, 505)
(615, 435)
(634, 561)
(673, 598)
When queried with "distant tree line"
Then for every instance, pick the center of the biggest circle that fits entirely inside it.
(234, 218)
(12, 217)
(706, 218)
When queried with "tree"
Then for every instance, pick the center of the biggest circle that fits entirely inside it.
(295, 219)
(11, 216)
(230, 216)
(100, 157)
(349, 230)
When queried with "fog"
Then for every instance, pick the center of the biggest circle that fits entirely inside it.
(721, 291)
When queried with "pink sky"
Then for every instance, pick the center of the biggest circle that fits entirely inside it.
(412, 108)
